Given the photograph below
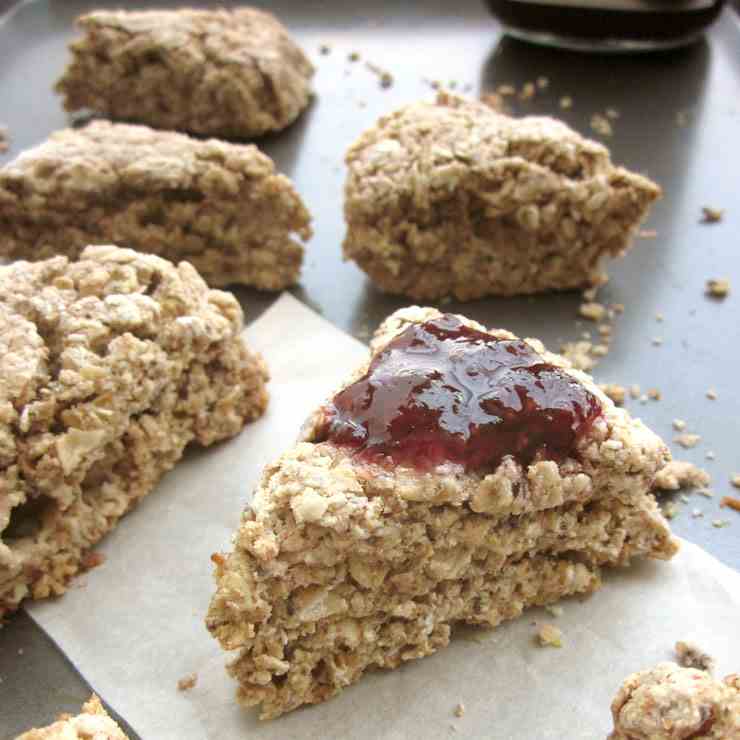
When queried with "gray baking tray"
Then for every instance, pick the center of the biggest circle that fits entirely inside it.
(679, 122)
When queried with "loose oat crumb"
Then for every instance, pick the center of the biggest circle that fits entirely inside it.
(706, 492)
(543, 82)
(679, 425)
(506, 90)
(566, 102)
(690, 655)
(654, 394)
(731, 503)
(592, 311)
(354, 56)
(92, 559)
(718, 287)
(460, 710)
(712, 394)
(601, 125)
(605, 330)
(687, 441)
(600, 350)
(578, 355)
(735, 480)
(684, 498)
(680, 474)
(586, 335)
(550, 636)
(494, 101)
(711, 215)
(635, 391)
(710, 455)
(644, 398)
(187, 682)
(720, 523)
(670, 510)
(696, 513)
(614, 391)
(385, 77)
(659, 317)
(528, 91)
(618, 307)
(554, 610)
(612, 113)
(657, 341)
(647, 233)
(589, 294)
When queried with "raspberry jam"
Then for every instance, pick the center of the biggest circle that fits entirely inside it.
(444, 392)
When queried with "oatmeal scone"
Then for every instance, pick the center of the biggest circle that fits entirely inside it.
(109, 367)
(221, 206)
(461, 476)
(453, 198)
(673, 703)
(227, 73)
(93, 723)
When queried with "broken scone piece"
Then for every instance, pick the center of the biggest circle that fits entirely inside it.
(226, 73)
(220, 206)
(461, 477)
(451, 198)
(673, 703)
(93, 723)
(109, 367)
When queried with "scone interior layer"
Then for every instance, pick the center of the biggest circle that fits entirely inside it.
(109, 367)
(220, 206)
(452, 198)
(226, 73)
(343, 564)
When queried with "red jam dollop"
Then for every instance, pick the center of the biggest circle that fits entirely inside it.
(442, 391)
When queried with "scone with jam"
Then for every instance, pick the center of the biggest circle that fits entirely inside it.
(451, 198)
(461, 476)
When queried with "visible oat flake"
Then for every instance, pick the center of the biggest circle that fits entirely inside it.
(550, 636)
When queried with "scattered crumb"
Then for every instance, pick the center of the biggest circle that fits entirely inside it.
(92, 559)
(550, 636)
(589, 294)
(600, 350)
(679, 474)
(654, 394)
(684, 498)
(601, 125)
(187, 682)
(659, 317)
(506, 90)
(605, 330)
(493, 100)
(578, 355)
(460, 710)
(354, 56)
(696, 513)
(592, 311)
(554, 610)
(709, 455)
(614, 391)
(706, 492)
(670, 510)
(679, 425)
(324, 49)
(690, 655)
(735, 480)
(731, 503)
(719, 523)
(385, 77)
(528, 91)
(612, 113)
(687, 441)
(647, 233)
(635, 391)
(711, 215)
(712, 394)
(566, 102)
(618, 307)
(643, 398)
(718, 287)
(543, 82)
(657, 341)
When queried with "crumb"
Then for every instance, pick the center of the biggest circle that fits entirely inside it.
(711, 215)
(696, 513)
(592, 311)
(92, 559)
(635, 391)
(712, 394)
(589, 294)
(643, 398)
(647, 233)
(614, 391)
(718, 287)
(506, 90)
(324, 49)
(586, 335)
(689, 655)
(543, 82)
(719, 523)
(354, 56)
(600, 350)
(601, 125)
(578, 355)
(554, 610)
(460, 710)
(709, 455)
(687, 440)
(385, 77)
(612, 113)
(654, 394)
(659, 317)
(735, 480)
(566, 102)
(605, 330)
(550, 636)
(618, 307)
(187, 682)
(493, 100)
(670, 510)
(730, 502)
(528, 91)
(684, 498)
(657, 341)
(679, 425)
(706, 492)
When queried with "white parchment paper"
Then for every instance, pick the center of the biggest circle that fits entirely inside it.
(134, 625)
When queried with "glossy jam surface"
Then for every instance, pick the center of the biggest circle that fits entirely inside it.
(444, 392)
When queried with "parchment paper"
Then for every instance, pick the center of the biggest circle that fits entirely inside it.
(134, 625)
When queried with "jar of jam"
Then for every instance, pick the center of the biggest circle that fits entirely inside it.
(607, 25)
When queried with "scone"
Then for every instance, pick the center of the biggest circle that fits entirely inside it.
(451, 198)
(221, 206)
(673, 703)
(227, 73)
(462, 476)
(109, 367)
(93, 723)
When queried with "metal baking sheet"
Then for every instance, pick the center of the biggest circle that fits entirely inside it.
(679, 117)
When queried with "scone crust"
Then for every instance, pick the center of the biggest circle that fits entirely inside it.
(93, 723)
(227, 73)
(452, 198)
(109, 367)
(673, 703)
(339, 565)
(221, 206)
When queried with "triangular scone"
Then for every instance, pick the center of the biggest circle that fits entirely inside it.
(402, 511)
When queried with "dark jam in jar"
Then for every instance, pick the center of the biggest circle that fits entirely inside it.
(607, 25)
(442, 391)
